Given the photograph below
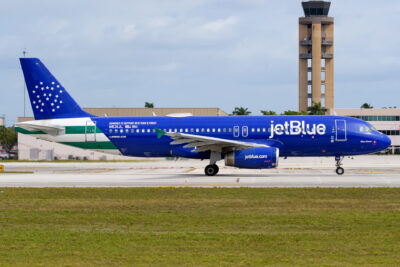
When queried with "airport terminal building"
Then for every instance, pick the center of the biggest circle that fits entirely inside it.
(31, 148)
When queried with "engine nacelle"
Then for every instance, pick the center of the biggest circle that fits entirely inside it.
(254, 158)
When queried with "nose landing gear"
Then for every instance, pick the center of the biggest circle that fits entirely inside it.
(339, 169)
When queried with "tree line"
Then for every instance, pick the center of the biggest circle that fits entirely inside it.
(315, 109)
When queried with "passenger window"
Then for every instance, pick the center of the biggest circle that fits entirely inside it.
(148, 130)
(219, 130)
(213, 130)
(110, 130)
(143, 130)
(252, 130)
(197, 130)
(258, 130)
(186, 130)
(208, 130)
(224, 130)
(264, 130)
(127, 130)
(202, 130)
(230, 130)
(191, 130)
(137, 130)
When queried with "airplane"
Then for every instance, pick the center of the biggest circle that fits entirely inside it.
(249, 142)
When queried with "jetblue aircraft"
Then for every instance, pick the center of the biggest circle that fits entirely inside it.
(242, 141)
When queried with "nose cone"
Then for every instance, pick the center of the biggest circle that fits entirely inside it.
(384, 142)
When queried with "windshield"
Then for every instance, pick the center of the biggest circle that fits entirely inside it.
(367, 128)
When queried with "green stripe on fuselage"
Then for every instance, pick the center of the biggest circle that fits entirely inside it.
(81, 129)
(91, 145)
(68, 130)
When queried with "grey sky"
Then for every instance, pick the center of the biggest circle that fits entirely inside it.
(197, 53)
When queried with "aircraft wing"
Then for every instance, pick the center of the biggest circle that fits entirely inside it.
(205, 143)
(33, 127)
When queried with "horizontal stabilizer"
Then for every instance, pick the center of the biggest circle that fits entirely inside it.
(32, 127)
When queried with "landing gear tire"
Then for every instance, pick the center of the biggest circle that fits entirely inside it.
(339, 171)
(211, 170)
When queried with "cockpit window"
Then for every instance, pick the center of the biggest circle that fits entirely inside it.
(367, 129)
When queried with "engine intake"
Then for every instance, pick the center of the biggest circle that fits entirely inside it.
(253, 158)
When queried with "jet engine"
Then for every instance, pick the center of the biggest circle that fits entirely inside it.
(253, 158)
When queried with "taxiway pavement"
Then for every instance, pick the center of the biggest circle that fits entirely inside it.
(363, 171)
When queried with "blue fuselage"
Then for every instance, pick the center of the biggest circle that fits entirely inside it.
(300, 136)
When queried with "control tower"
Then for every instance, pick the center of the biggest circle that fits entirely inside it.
(316, 51)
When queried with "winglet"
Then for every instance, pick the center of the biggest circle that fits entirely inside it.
(160, 133)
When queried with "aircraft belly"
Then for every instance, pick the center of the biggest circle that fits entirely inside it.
(142, 147)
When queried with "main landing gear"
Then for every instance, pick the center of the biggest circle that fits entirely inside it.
(213, 169)
(339, 169)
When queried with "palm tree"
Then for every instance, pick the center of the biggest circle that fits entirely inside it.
(268, 112)
(367, 106)
(241, 111)
(148, 105)
(316, 109)
(291, 112)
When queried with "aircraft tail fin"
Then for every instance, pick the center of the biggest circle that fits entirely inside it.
(48, 97)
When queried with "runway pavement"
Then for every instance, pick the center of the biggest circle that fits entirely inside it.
(364, 171)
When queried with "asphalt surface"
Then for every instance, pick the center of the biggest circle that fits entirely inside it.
(365, 171)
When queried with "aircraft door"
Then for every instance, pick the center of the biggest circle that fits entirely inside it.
(236, 131)
(245, 131)
(90, 131)
(341, 131)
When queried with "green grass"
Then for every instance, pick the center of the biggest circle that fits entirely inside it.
(202, 227)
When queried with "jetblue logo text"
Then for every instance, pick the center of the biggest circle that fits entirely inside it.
(297, 128)
(255, 157)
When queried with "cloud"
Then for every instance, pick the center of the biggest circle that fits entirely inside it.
(129, 32)
(219, 25)
(216, 29)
